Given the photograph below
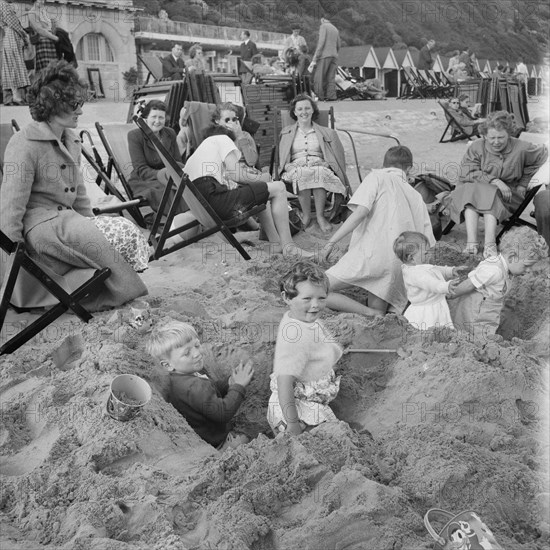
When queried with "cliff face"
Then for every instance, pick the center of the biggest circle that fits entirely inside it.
(500, 29)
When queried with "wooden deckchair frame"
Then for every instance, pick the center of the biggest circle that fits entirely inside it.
(199, 207)
(458, 132)
(19, 260)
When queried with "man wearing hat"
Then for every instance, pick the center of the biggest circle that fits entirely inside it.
(295, 40)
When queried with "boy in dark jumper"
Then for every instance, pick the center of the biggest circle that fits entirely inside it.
(194, 395)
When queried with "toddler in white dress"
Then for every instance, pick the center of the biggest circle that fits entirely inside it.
(426, 284)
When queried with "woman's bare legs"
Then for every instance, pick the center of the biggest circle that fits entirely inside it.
(305, 204)
(320, 199)
(274, 220)
(471, 218)
(490, 248)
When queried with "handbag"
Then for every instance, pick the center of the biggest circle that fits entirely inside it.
(29, 53)
(464, 531)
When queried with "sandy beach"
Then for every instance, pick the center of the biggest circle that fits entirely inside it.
(441, 423)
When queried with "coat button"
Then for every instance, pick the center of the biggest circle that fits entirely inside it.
(72, 189)
(63, 166)
(60, 208)
(66, 189)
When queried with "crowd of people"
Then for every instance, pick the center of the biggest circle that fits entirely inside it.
(50, 213)
(26, 51)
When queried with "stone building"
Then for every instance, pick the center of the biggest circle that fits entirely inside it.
(102, 35)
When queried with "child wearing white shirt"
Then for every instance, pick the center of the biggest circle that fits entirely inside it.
(303, 381)
(483, 292)
(426, 284)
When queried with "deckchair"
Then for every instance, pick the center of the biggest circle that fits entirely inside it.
(114, 138)
(19, 289)
(6, 131)
(153, 64)
(458, 133)
(199, 207)
(410, 87)
(107, 186)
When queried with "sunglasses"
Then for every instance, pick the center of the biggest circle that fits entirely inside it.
(233, 119)
(75, 105)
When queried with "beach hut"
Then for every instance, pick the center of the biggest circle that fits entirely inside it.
(543, 78)
(360, 61)
(439, 65)
(395, 61)
(532, 80)
(484, 67)
(444, 62)
(388, 73)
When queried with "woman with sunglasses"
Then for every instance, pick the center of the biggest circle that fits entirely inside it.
(223, 169)
(43, 198)
(460, 109)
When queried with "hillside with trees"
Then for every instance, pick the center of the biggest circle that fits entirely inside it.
(500, 29)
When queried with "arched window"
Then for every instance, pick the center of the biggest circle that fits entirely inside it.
(94, 47)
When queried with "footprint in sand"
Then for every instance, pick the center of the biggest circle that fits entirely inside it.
(25, 438)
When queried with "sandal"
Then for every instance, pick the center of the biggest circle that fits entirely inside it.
(471, 248)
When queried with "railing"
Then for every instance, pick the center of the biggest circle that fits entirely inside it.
(164, 26)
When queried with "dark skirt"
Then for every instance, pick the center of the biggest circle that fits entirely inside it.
(484, 198)
(228, 203)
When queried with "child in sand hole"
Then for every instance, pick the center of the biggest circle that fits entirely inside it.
(426, 285)
(303, 381)
(205, 407)
(480, 298)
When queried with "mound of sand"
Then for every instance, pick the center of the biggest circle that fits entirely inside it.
(442, 423)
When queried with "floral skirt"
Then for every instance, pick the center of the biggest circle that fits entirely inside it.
(312, 173)
(311, 398)
(126, 238)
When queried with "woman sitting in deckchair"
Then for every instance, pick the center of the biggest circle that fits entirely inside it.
(231, 187)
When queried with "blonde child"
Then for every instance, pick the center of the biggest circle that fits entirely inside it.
(482, 294)
(303, 381)
(194, 395)
(426, 285)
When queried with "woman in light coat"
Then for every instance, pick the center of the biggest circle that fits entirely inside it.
(312, 158)
(43, 200)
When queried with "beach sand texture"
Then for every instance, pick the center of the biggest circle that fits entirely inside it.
(443, 423)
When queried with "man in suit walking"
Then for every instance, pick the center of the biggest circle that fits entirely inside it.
(425, 61)
(248, 51)
(173, 65)
(325, 61)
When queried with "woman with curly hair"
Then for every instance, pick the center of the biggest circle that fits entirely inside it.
(312, 159)
(494, 175)
(43, 199)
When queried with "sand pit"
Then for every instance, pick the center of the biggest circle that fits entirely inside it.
(441, 423)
